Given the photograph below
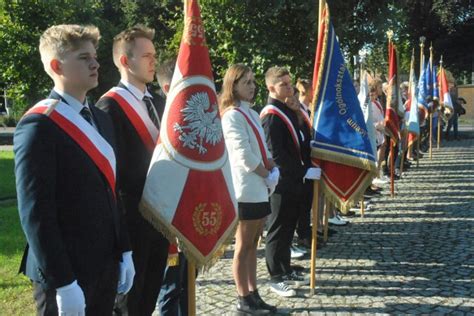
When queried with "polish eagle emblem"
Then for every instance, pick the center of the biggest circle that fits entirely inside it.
(203, 123)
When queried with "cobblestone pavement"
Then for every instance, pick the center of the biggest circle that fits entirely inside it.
(412, 254)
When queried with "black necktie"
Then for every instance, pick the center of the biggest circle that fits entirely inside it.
(87, 115)
(151, 112)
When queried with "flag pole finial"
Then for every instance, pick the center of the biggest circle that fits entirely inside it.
(390, 34)
(422, 41)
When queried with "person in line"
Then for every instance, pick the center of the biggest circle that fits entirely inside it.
(78, 249)
(458, 109)
(285, 141)
(254, 176)
(378, 116)
(136, 114)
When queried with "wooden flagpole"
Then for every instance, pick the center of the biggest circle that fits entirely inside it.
(439, 127)
(315, 206)
(314, 236)
(362, 207)
(327, 205)
(392, 170)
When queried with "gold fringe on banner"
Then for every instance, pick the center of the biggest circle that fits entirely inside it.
(191, 254)
(344, 206)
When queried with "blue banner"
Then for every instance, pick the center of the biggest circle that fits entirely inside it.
(340, 130)
(422, 88)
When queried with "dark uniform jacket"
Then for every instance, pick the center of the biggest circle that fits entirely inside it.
(68, 211)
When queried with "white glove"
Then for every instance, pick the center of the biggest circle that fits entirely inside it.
(71, 300)
(313, 174)
(272, 179)
(127, 273)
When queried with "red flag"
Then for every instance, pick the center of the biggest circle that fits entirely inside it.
(188, 193)
(391, 117)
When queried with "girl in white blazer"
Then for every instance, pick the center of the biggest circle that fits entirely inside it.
(254, 175)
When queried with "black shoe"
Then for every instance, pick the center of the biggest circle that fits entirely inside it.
(247, 305)
(261, 304)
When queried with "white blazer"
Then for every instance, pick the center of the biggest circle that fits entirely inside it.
(244, 154)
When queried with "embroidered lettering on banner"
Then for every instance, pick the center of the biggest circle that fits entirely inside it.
(194, 32)
(207, 221)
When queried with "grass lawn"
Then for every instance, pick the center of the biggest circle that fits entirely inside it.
(15, 290)
(7, 179)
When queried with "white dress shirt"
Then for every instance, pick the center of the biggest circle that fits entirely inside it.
(139, 95)
(75, 104)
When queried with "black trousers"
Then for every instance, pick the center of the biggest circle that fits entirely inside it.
(150, 254)
(286, 210)
(99, 294)
(303, 228)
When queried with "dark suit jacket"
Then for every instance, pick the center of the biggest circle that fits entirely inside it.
(133, 158)
(68, 212)
(284, 152)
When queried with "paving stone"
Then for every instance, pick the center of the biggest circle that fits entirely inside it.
(413, 254)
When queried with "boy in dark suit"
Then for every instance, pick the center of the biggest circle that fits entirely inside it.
(136, 117)
(290, 150)
(78, 248)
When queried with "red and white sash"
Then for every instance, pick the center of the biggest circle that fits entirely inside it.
(83, 133)
(271, 109)
(137, 115)
(258, 135)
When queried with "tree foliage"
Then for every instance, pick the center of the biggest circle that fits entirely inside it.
(259, 33)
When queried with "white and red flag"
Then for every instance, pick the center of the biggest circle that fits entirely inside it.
(444, 95)
(188, 192)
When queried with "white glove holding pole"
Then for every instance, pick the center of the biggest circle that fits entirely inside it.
(127, 273)
(313, 174)
(71, 300)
